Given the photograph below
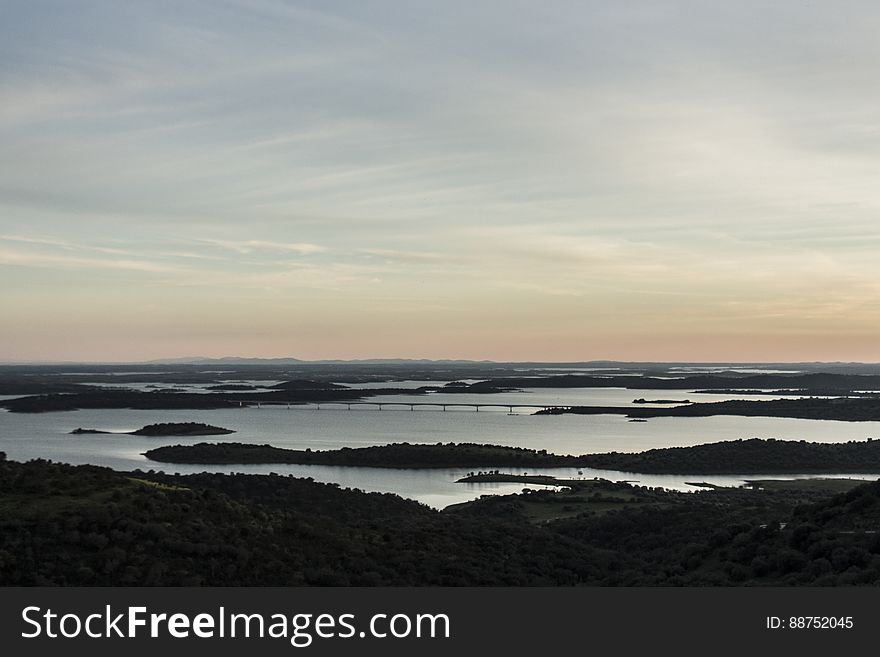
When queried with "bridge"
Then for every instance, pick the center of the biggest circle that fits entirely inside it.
(398, 406)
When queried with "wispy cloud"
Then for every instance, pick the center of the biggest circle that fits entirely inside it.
(46, 260)
(251, 246)
(397, 255)
(63, 244)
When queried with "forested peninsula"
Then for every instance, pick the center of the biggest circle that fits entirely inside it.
(398, 455)
(849, 409)
(753, 456)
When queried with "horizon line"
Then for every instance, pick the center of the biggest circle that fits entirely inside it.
(257, 360)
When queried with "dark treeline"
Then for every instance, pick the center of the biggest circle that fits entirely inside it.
(103, 398)
(398, 455)
(15, 379)
(39, 386)
(753, 456)
(171, 399)
(805, 382)
(791, 392)
(864, 409)
(70, 388)
(180, 429)
(65, 525)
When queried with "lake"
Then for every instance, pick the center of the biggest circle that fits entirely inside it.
(46, 435)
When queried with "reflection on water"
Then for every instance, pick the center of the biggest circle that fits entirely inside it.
(438, 487)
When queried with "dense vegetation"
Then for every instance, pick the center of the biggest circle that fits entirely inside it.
(164, 429)
(65, 525)
(398, 455)
(860, 409)
(181, 429)
(753, 456)
(308, 384)
(170, 399)
(839, 383)
(104, 398)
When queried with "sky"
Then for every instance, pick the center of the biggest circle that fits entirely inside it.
(508, 180)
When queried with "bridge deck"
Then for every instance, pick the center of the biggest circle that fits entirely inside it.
(381, 405)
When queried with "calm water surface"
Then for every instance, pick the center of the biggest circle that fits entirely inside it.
(46, 435)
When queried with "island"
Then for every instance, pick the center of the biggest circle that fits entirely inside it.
(164, 429)
(181, 429)
(232, 387)
(397, 455)
(495, 477)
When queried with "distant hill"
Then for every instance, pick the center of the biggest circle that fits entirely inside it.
(236, 360)
(228, 360)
